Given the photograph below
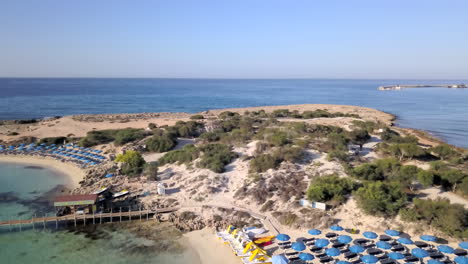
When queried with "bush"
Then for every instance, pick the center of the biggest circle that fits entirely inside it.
(53, 140)
(215, 157)
(120, 136)
(185, 155)
(125, 136)
(443, 151)
(359, 137)
(337, 141)
(278, 138)
(426, 178)
(132, 161)
(161, 142)
(197, 117)
(452, 219)
(151, 171)
(331, 187)
(263, 162)
(381, 198)
(291, 154)
(210, 136)
(338, 155)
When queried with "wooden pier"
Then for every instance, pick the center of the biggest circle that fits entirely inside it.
(399, 87)
(84, 219)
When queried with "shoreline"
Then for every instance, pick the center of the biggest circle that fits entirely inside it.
(73, 174)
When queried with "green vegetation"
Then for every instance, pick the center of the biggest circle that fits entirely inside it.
(215, 157)
(132, 161)
(381, 198)
(452, 219)
(185, 129)
(443, 151)
(309, 114)
(53, 140)
(330, 188)
(359, 137)
(197, 117)
(263, 162)
(391, 136)
(161, 141)
(150, 170)
(212, 156)
(403, 150)
(119, 136)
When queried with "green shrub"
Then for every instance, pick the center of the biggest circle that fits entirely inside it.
(150, 170)
(132, 161)
(197, 117)
(291, 154)
(330, 187)
(263, 162)
(452, 219)
(381, 198)
(211, 136)
(426, 178)
(215, 157)
(184, 155)
(278, 138)
(125, 136)
(338, 155)
(120, 136)
(161, 142)
(53, 140)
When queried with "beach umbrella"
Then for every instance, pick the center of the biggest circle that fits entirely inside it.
(405, 241)
(369, 259)
(370, 235)
(356, 249)
(392, 232)
(463, 244)
(322, 242)
(336, 228)
(279, 259)
(332, 252)
(433, 261)
(383, 245)
(314, 232)
(298, 246)
(344, 239)
(283, 237)
(445, 249)
(111, 175)
(419, 253)
(343, 262)
(428, 238)
(461, 260)
(396, 255)
(306, 256)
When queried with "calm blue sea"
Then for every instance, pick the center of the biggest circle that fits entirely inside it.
(440, 111)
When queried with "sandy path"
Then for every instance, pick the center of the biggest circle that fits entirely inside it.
(74, 174)
(434, 193)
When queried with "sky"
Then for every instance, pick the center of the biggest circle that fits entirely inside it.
(412, 39)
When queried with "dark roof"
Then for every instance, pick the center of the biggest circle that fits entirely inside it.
(75, 198)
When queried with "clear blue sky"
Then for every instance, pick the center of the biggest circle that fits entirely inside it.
(235, 39)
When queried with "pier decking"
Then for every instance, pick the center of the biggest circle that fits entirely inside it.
(399, 87)
(98, 218)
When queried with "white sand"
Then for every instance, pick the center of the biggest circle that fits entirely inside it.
(73, 174)
(210, 249)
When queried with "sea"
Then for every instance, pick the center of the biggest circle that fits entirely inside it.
(441, 112)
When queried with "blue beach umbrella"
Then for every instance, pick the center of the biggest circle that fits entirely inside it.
(396, 255)
(322, 242)
(314, 232)
(405, 240)
(383, 245)
(461, 260)
(298, 246)
(419, 253)
(433, 261)
(445, 249)
(332, 252)
(369, 259)
(111, 175)
(392, 232)
(283, 237)
(306, 256)
(345, 239)
(463, 244)
(336, 228)
(370, 235)
(428, 238)
(356, 249)
(279, 259)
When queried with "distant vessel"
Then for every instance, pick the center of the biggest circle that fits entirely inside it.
(399, 87)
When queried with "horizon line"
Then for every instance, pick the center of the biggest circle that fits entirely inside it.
(234, 78)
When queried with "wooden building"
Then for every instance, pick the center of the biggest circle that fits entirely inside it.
(76, 203)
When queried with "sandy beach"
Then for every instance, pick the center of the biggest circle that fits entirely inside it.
(73, 174)
(208, 248)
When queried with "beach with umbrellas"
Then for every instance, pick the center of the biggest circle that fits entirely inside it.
(338, 245)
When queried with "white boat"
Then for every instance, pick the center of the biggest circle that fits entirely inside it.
(121, 193)
(103, 189)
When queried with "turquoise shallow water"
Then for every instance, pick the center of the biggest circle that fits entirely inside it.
(20, 188)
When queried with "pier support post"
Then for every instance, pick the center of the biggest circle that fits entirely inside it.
(9, 223)
(140, 213)
(147, 216)
(21, 224)
(111, 215)
(120, 214)
(43, 220)
(32, 221)
(129, 214)
(56, 223)
(74, 217)
(100, 218)
(94, 221)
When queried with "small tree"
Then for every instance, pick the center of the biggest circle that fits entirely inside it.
(132, 161)
(359, 137)
(426, 178)
(381, 198)
(443, 151)
(151, 171)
